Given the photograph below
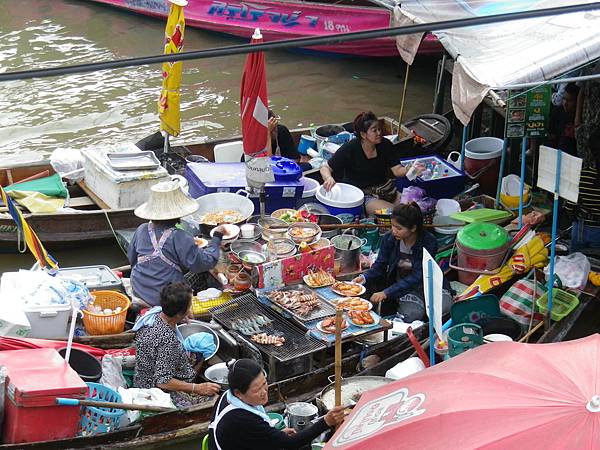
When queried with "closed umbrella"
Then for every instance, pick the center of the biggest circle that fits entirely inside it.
(503, 395)
(254, 103)
(168, 104)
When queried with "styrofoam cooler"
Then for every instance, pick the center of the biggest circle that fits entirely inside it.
(119, 189)
(35, 378)
(50, 321)
(445, 187)
(209, 178)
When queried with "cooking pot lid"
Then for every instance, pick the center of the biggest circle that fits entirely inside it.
(483, 236)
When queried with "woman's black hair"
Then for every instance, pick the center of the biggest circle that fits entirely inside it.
(409, 216)
(175, 298)
(363, 122)
(242, 373)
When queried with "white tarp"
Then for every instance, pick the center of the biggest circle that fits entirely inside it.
(502, 54)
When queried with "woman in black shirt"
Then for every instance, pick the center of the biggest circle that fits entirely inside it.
(240, 422)
(365, 162)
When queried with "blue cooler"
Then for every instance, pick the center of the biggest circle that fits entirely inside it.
(348, 200)
(208, 178)
(450, 183)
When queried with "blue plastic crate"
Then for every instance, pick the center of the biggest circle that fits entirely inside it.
(208, 178)
(446, 187)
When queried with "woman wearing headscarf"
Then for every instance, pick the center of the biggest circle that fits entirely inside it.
(240, 422)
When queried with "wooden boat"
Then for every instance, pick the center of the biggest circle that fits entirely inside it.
(289, 19)
(94, 221)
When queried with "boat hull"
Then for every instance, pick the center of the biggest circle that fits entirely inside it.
(280, 20)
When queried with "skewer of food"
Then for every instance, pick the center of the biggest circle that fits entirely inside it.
(353, 304)
(348, 288)
(319, 278)
(268, 339)
(297, 301)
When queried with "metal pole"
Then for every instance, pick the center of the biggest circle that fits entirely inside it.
(501, 172)
(403, 98)
(521, 190)
(554, 230)
(462, 146)
(431, 312)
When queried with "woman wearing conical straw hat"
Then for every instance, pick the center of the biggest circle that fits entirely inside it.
(160, 253)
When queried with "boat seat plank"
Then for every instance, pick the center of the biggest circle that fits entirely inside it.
(78, 202)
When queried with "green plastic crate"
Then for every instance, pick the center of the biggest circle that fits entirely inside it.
(562, 304)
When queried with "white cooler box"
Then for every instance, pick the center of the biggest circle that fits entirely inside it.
(48, 321)
(119, 189)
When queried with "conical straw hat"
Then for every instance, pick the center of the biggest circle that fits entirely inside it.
(167, 201)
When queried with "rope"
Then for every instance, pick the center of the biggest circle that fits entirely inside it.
(113, 232)
(295, 43)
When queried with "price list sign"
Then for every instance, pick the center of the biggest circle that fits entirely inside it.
(528, 112)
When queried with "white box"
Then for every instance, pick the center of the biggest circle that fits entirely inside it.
(119, 189)
(48, 321)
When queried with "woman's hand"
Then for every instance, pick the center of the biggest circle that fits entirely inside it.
(378, 297)
(289, 431)
(329, 183)
(272, 124)
(335, 416)
(359, 279)
(207, 389)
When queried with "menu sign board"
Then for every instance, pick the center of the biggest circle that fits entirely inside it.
(528, 112)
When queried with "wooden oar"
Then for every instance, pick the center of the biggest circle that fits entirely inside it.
(128, 406)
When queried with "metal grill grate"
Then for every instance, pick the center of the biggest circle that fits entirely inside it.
(297, 344)
(325, 309)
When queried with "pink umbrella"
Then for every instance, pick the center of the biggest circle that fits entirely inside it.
(502, 395)
(254, 102)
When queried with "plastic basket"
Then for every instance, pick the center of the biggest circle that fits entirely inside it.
(463, 337)
(201, 306)
(562, 304)
(98, 323)
(100, 420)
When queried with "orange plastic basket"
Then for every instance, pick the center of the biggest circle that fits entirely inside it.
(98, 323)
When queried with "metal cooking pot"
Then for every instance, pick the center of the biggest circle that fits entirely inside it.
(300, 414)
(352, 389)
(196, 326)
(224, 200)
(328, 219)
(348, 246)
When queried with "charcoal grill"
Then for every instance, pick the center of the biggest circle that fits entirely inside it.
(293, 358)
(325, 309)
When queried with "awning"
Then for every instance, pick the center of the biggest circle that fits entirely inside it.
(502, 54)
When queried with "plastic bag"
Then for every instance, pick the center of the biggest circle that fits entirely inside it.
(573, 270)
(412, 194)
(112, 373)
(149, 397)
(68, 161)
(427, 204)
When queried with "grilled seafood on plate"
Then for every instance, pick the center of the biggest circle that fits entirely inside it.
(319, 278)
(353, 304)
(328, 325)
(348, 288)
(361, 318)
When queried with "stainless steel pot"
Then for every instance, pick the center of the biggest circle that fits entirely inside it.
(348, 247)
(328, 219)
(352, 389)
(300, 414)
(195, 326)
(224, 200)
(217, 373)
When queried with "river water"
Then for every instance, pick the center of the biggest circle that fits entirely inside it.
(120, 105)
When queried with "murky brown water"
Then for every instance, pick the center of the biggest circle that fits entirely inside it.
(116, 105)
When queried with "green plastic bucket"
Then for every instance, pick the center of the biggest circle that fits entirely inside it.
(463, 337)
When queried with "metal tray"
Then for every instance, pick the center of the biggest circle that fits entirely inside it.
(325, 309)
(133, 160)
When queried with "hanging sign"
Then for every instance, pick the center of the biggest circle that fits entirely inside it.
(570, 170)
(528, 112)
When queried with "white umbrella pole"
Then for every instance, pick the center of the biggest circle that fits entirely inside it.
(522, 189)
(71, 331)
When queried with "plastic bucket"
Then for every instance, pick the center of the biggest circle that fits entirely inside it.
(463, 337)
(343, 199)
(306, 142)
(482, 162)
(87, 367)
(484, 252)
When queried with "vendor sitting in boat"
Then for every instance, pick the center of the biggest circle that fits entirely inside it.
(240, 422)
(399, 266)
(366, 162)
(160, 253)
(161, 360)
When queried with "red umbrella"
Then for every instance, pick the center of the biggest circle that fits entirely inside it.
(502, 395)
(254, 102)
